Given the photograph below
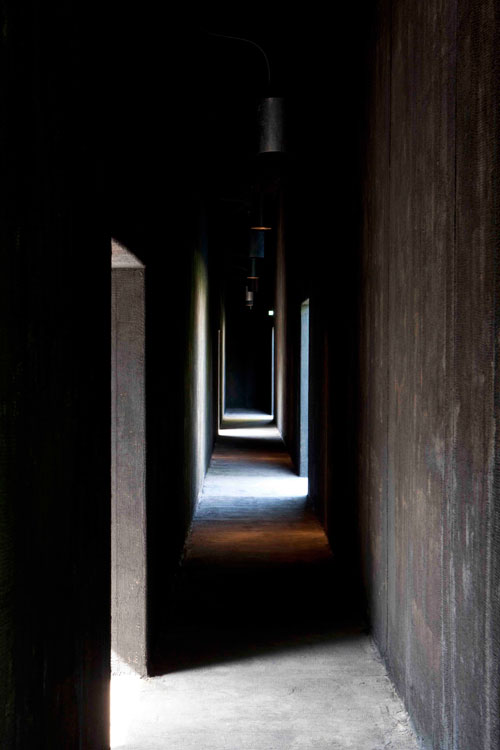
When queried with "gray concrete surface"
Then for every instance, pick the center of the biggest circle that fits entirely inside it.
(128, 461)
(326, 696)
(253, 657)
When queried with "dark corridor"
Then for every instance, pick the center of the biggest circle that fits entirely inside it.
(142, 125)
(249, 643)
(255, 563)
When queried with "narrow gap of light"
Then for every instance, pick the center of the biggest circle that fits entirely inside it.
(270, 433)
(244, 416)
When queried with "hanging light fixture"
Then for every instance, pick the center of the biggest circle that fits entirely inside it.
(257, 243)
(271, 131)
(270, 140)
(271, 125)
(248, 298)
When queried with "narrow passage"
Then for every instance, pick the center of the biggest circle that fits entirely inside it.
(262, 650)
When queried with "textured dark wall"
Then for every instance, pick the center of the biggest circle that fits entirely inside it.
(54, 386)
(289, 295)
(199, 410)
(157, 174)
(429, 457)
(392, 219)
(181, 335)
(222, 364)
(280, 322)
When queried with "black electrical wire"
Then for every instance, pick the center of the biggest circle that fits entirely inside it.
(249, 41)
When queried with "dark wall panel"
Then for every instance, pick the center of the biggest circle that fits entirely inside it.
(474, 552)
(373, 462)
(420, 237)
(280, 324)
(428, 365)
(54, 386)
(291, 290)
(160, 182)
(180, 339)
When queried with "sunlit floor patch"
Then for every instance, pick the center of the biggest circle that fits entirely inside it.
(327, 695)
(273, 488)
(256, 651)
(250, 432)
(240, 415)
(248, 424)
(126, 687)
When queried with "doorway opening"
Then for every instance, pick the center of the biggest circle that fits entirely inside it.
(304, 389)
(246, 369)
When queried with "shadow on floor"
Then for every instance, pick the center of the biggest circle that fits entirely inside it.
(258, 575)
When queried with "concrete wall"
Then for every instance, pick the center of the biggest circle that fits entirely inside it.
(128, 463)
(394, 217)
(289, 295)
(200, 409)
(54, 386)
(181, 346)
(155, 209)
(429, 369)
(280, 323)
(221, 395)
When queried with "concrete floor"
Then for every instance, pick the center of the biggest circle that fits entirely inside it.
(263, 648)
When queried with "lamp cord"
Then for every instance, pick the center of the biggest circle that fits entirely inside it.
(249, 41)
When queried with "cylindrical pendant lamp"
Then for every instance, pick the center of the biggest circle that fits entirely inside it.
(257, 243)
(271, 125)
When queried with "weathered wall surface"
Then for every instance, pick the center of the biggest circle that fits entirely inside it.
(429, 316)
(291, 289)
(399, 237)
(156, 210)
(280, 370)
(199, 408)
(54, 386)
(181, 340)
(128, 463)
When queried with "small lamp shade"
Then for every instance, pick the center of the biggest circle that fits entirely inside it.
(257, 243)
(271, 125)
